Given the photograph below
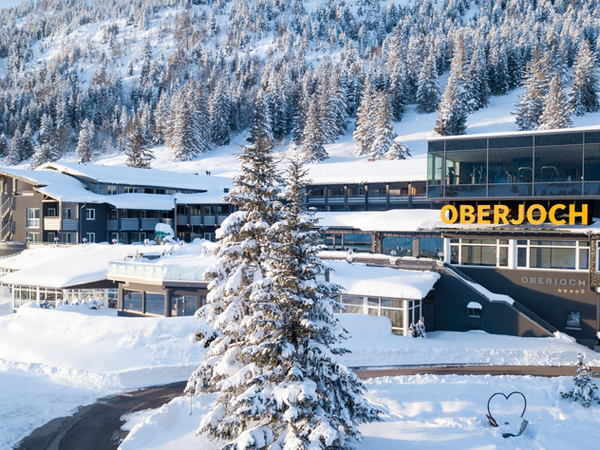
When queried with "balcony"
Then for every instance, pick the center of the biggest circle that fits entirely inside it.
(119, 270)
(70, 224)
(130, 224)
(52, 223)
(182, 219)
(209, 221)
(112, 225)
(196, 221)
(222, 219)
(149, 224)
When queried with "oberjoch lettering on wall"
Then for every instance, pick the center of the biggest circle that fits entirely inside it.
(535, 214)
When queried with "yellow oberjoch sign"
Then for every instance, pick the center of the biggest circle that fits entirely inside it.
(535, 214)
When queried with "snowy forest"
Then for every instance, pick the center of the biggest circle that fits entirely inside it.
(128, 75)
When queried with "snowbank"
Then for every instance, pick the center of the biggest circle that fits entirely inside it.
(419, 412)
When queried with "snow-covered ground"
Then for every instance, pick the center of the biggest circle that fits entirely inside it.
(419, 412)
(52, 361)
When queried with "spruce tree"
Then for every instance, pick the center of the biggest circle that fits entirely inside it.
(584, 90)
(452, 112)
(530, 107)
(280, 386)
(85, 144)
(261, 121)
(14, 155)
(385, 144)
(557, 113)
(235, 290)
(428, 88)
(3, 145)
(47, 149)
(364, 134)
(313, 135)
(138, 149)
(220, 115)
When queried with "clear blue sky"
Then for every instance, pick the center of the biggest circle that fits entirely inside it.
(9, 3)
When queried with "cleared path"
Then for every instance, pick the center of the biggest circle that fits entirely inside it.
(98, 426)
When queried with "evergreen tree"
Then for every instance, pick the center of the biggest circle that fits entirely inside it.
(498, 71)
(27, 142)
(452, 112)
(236, 292)
(557, 113)
(261, 122)
(85, 143)
(530, 107)
(220, 115)
(585, 389)
(285, 345)
(385, 144)
(313, 135)
(138, 149)
(46, 150)
(15, 155)
(364, 134)
(428, 88)
(584, 90)
(3, 145)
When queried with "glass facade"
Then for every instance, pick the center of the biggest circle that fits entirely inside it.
(546, 165)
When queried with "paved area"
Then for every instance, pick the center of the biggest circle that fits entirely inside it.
(98, 426)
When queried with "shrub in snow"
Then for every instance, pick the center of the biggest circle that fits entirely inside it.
(418, 329)
(584, 391)
(272, 355)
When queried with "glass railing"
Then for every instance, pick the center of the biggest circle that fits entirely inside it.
(152, 271)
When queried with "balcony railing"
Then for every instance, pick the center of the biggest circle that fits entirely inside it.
(52, 223)
(70, 224)
(149, 223)
(150, 271)
(132, 224)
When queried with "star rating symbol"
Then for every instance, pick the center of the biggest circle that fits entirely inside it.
(570, 291)
(560, 290)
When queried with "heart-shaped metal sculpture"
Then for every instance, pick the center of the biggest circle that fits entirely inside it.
(494, 422)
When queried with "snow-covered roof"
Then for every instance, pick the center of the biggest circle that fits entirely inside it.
(514, 133)
(99, 173)
(360, 279)
(398, 220)
(60, 267)
(364, 171)
(65, 188)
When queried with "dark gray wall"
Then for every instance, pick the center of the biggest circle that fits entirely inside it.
(546, 297)
(21, 203)
(452, 296)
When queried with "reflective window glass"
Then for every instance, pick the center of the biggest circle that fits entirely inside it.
(558, 163)
(478, 255)
(592, 162)
(512, 165)
(155, 303)
(132, 301)
(435, 168)
(552, 258)
(466, 167)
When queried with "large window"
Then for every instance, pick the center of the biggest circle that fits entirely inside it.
(394, 309)
(33, 237)
(33, 217)
(479, 252)
(564, 255)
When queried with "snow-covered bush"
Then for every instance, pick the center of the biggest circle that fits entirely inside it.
(418, 329)
(584, 391)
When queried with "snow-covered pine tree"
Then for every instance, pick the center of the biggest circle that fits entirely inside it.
(46, 150)
(198, 104)
(313, 136)
(236, 288)
(428, 87)
(498, 70)
(294, 395)
(364, 134)
(452, 112)
(384, 145)
(3, 145)
(85, 144)
(479, 78)
(557, 113)
(530, 107)
(14, 155)
(584, 391)
(584, 90)
(261, 121)
(138, 149)
(27, 142)
(220, 115)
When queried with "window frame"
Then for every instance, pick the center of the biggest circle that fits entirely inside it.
(33, 222)
(90, 214)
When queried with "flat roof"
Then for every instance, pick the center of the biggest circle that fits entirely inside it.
(514, 133)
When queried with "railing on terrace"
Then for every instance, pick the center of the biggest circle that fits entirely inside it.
(150, 271)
